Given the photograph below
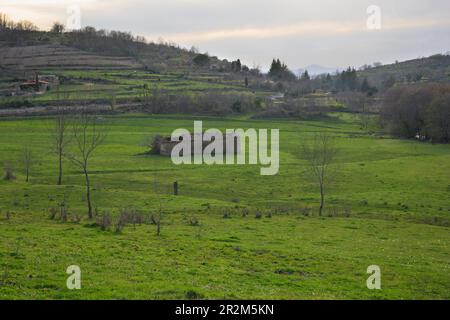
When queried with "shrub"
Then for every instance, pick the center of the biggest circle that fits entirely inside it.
(9, 173)
(193, 221)
(121, 221)
(305, 211)
(104, 221)
(347, 212)
(63, 212)
(193, 295)
(52, 213)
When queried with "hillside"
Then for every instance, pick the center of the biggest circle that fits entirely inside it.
(431, 69)
(95, 49)
(55, 56)
(108, 68)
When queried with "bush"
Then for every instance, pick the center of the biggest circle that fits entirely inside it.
(104, 221)
(9, 173)
(305, 211)
(193, 221)
(193, 295)
(52, 213)
(226, 215)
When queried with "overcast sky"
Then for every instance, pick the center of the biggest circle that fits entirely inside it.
(331, 33)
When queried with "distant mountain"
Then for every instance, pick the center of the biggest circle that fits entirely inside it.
(315, 70)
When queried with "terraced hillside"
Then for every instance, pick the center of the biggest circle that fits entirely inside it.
(59, 56)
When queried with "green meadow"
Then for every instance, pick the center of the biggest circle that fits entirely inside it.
(388, 206)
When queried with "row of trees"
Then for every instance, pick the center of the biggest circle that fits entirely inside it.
(155, 100)
(7, 24)
(418, 111)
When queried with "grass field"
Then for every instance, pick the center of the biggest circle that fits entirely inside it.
(389, 206)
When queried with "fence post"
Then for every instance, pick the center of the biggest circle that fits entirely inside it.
(175, 188)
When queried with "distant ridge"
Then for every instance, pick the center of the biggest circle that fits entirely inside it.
(315, 70)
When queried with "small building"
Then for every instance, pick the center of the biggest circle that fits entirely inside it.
(34, 85)
(164, 145)
(40, 84)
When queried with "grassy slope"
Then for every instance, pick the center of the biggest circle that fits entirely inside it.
(391, 185)
(126, 84)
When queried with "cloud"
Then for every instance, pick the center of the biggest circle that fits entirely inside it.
(311, 28)
(334, 32)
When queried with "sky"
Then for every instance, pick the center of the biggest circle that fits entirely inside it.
(332, 33)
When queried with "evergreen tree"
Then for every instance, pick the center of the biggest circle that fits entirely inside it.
(305, 76)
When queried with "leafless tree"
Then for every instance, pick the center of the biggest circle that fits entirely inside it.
(88, 134)
(320, 154)
(157, 190)
(28, 162)
(58, 27)
(357, 102)
(61, 137)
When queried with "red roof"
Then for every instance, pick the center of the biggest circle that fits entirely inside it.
(34, 82)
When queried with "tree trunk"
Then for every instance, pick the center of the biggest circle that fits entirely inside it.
(322, 200)
(28, 175)
(60, 169)
(88, 194)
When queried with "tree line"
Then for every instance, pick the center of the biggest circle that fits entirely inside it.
(420, 111)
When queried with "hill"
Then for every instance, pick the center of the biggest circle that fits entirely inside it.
(435, 68)
(52, 56)
(92, 48)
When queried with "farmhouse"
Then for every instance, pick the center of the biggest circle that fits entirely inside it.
(34, 85)
(39, 84)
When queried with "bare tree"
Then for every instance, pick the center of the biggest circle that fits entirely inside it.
(359, 103)
(320, 154)
(88, 134)
(28, 162)
(57, 27)
(157, 190)
(61, 138)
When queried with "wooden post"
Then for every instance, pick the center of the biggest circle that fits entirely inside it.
(175, 188)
